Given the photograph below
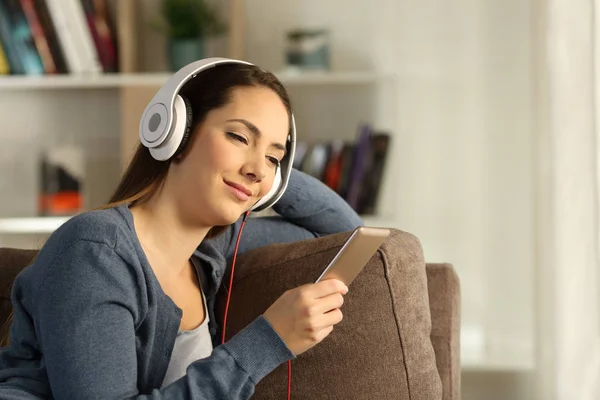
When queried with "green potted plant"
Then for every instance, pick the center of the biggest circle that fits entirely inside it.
(187, 24)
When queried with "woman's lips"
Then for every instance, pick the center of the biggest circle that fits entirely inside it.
(242, 193)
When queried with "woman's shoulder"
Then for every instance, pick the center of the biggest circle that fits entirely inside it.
(93, 249)
(93, 236)
(102, 226)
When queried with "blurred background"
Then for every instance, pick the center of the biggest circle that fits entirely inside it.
(472, 124)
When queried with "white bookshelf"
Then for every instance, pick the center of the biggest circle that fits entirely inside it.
(115, 81)
(47, 225)
(32, 225)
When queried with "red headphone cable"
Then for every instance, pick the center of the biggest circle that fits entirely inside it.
(237, 243)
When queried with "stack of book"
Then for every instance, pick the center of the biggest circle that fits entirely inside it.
(62, 173)
(353, 169)
(56, 37)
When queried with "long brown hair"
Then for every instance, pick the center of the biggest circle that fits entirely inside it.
(209, 90)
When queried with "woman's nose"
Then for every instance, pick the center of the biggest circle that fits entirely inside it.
(254, 170)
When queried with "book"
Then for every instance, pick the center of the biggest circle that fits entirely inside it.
(49, 32)
(8, 43)
(63, 36)
(74, 35)
(4, 67)
(97, 20)
(62, 170)
(373, 175)
(18, 39)
(353, 169)
(358, 165)
(39, 37)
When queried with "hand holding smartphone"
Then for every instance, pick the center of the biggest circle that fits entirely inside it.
(354, 254)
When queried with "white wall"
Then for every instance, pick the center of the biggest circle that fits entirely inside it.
(356, 28)
(464, 173)
(468, 119)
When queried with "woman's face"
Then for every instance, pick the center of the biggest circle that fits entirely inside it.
(233, 157)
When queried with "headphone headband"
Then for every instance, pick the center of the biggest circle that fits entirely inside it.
(164, 125)
(164, 99)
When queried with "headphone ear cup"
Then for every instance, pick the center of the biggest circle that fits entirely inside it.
(271, 193)
(188, 124)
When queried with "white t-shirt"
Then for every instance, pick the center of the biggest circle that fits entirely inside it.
(190, 345)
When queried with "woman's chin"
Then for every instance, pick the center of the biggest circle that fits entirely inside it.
(229, 216)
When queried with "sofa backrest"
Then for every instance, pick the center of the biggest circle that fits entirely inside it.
(12, 261)
(443, 305)
(381, 350)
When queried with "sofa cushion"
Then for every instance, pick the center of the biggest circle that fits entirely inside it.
(12, 261)
(382, 348)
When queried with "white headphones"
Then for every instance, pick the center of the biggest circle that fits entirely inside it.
(166, 125)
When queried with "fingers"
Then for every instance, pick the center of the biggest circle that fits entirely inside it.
(317, 335)
(325, 321)
(326, 287)
(322, 334)
(326, 304)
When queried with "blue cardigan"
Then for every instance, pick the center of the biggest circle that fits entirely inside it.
(92, 322)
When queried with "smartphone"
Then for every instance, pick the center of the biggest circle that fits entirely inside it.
(355, 254)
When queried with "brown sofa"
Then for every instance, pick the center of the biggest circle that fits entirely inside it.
(399, 338)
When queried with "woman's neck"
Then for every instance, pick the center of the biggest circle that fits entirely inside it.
(165, 237)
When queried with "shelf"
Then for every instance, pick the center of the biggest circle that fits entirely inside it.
(114, 81)
(49, 224)
(33, 225)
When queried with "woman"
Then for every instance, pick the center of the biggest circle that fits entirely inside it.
(119, 302)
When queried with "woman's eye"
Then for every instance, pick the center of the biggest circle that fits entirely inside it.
(237, 137)
(274, 161)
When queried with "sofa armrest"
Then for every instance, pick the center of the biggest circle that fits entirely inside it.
(444, 303)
